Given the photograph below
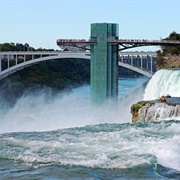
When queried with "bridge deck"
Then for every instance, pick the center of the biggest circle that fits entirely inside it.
(122, 43)
(135, 53)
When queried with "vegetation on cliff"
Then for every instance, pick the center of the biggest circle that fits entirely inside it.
(135, 109)
(20, 47)
(169, 56)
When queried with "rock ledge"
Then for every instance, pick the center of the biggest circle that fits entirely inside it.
(166, 107)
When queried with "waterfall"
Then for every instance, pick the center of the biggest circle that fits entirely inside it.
(162, 83)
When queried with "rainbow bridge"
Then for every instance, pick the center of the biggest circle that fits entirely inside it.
(141, 62)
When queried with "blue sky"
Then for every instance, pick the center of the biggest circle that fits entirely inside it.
(41, 22)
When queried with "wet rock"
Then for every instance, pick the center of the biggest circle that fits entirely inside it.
(164, 108)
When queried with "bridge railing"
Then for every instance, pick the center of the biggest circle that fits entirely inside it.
(146, 40)
(145, 63)
(112, 39)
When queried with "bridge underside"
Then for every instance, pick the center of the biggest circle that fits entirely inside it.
(125, 46)
(129, 45)
(135, 69)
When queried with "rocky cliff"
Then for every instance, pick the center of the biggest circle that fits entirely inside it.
(164, 108)
(168, 61)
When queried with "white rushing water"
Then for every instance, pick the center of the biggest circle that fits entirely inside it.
(103, 146)
(162, 83)
(158, 112)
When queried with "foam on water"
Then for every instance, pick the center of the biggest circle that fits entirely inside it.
(103, 146)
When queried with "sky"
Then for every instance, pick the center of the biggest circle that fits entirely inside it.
(41, 22)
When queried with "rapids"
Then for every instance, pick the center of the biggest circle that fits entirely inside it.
(64, 137)
(146, 148)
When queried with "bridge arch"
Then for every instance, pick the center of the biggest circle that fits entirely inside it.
(136, 69)
(69, 55)
(25, 64)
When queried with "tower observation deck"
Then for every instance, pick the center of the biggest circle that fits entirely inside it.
(104, 44)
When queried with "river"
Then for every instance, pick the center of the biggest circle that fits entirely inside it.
(65, 137)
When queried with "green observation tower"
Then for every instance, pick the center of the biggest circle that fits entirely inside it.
(104, 62)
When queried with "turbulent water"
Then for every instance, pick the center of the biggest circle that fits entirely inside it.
(107, 151)
(64, 137)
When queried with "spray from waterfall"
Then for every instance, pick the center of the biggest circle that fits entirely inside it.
(42, 112)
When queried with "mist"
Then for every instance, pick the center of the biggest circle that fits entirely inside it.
(45, 112)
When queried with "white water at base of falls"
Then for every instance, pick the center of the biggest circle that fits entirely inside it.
(158, 112)
(162, 83)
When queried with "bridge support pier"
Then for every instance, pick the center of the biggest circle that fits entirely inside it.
(0, 63)
(8, 58)
(16, 59)
(24, 58)
(104, 62)
(151, 63)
